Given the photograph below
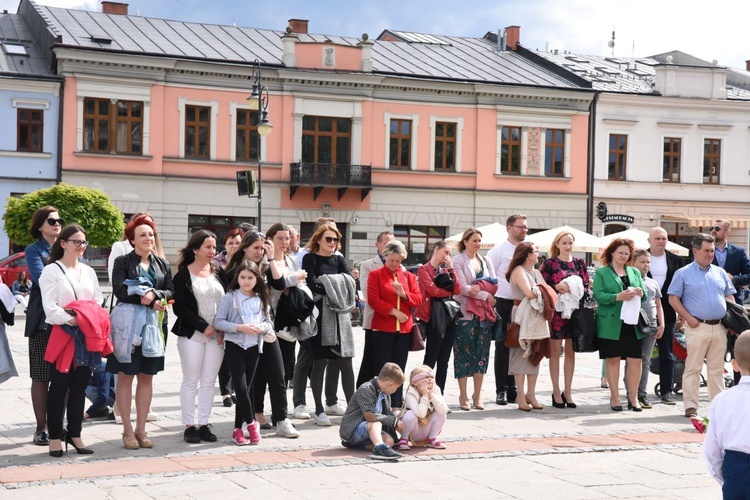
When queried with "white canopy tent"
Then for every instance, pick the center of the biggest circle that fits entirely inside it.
(492, 234)
(640, 238)
(584, 242)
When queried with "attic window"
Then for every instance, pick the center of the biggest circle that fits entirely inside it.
(638, 72)
(616, 60)
(15, 49)
(101, 39)
(576, 59)
(607, 71)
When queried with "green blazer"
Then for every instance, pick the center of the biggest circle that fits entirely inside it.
(606, 287)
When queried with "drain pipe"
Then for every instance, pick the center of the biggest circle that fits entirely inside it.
(590, 169)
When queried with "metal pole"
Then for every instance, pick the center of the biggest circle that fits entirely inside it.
(260, 143)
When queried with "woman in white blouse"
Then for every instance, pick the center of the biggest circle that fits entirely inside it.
(197, 294)
(65, 279)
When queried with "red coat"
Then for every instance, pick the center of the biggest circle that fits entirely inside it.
(428, 289)
(382, 298)
(93, 322)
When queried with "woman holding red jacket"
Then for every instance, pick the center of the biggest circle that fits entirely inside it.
(439, 342)
(63, 281)
(392, 292)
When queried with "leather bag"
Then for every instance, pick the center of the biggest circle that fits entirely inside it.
(417, 339)
(512, 335)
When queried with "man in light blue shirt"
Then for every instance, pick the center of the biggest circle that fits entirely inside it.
(698, 293)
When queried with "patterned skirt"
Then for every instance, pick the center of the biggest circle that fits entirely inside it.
(471, 350)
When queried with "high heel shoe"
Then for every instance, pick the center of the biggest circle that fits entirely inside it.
(633, 407)
(567, 403)
(520, 406)
(81, 451)
(615, 408)
(56, 453)
(555, 404)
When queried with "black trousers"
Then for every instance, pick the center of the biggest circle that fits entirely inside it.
(503, 381)
(270, 372)
(242, 365)
(332, 368)
(303, 370)
(225, 379)
(438, 351)
(666, 359)
(287, 355)
(391, 347)
(366, 368)
(74, 385)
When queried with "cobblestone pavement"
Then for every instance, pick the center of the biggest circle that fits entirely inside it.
(587, 452)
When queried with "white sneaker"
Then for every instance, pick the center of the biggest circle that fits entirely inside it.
(322, 419)
(286, 429)
(152, 416)
(300, 412)
(336, 410)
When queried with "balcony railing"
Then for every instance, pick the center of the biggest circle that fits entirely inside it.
(328, 175)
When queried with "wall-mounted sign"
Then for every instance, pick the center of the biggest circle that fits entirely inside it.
(601, 210)
(627, 219)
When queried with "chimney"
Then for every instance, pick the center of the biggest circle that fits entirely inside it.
(747, 65)
(288, 40)
(299, 26)
(512, 37)
(115, 8)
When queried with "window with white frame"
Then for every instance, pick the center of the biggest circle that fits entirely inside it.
(400, 135)
(335, 108)
(198, 128)
(445, 154)
(711, 161)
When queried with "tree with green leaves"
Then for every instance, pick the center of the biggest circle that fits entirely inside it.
(90, 208)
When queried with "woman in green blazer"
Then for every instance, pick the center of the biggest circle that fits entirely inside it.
(615, 283)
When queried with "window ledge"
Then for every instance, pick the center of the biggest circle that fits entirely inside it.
(24, 154)
(422, 172)
(174, 159)
(533, 177)
(113, 155)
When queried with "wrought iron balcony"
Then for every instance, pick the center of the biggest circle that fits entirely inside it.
(328, 175)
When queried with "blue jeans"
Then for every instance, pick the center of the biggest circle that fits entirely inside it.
(361, 436)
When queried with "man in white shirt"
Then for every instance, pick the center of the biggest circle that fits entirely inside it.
(726, 449)
(500, 257)
(663, 266)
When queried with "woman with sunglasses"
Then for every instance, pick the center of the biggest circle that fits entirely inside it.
(66, 280)
(259, 250)
(143, 264)
(322, 258)
(45, 226)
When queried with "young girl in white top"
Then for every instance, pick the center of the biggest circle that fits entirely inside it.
(244, 317)
(425, 411)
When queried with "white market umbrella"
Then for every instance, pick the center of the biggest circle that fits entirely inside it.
(640, 238)
(584, 242)
(492, 234)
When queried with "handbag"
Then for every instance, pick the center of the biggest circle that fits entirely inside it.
(736, 319)
(417, 340)
(512, 334)
(582, 328)
(444, 281)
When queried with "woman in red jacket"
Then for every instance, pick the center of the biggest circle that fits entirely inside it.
(392, 292)
(439, 340)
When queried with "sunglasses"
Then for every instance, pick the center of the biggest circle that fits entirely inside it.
(717, 228)
(331, 239)
(79, 243)
(53, 222)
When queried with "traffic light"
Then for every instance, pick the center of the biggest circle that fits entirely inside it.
(246, 185)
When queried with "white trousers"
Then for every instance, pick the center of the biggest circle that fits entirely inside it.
(200, 367)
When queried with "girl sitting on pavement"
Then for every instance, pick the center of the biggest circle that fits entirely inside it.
(244, 318)
(425, 413)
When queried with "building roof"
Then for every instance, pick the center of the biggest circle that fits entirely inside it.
(18, 52)
(424, 56)
(636, 74)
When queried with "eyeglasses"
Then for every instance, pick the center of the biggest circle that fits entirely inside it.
(79, 243)
(717, 228)
(331, 239)
(524, 228)
(53, 222)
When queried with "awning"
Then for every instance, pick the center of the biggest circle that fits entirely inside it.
(707, 220)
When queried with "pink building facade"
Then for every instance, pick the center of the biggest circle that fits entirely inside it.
(355, 138)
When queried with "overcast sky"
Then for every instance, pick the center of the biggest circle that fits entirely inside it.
(709, 30)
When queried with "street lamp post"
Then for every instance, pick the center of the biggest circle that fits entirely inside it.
(258, 101)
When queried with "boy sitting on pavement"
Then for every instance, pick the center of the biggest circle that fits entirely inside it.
(726, 449)
(369, 421)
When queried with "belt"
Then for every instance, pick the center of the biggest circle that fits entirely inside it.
(709, 321)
